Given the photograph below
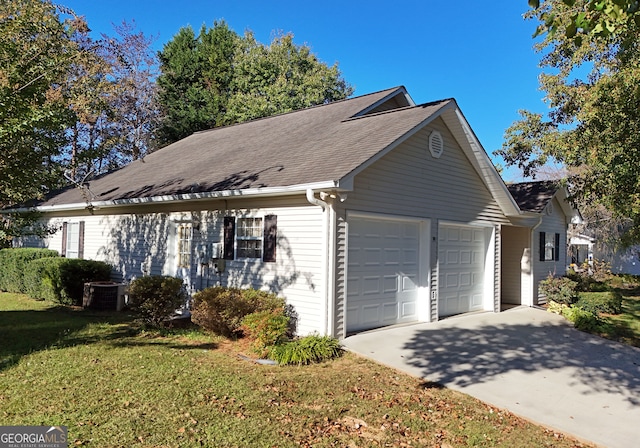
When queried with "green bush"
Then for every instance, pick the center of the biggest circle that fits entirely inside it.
(156, 297)
(586, 283)
(559, 289)
(306, 350)
(609, 302)
(62, 280)
(555, 307)
(221, 310)
(582, 320)
(265, 328)
(13, 265)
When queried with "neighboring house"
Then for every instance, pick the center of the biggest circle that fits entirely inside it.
(584, 248)
(543, 246)
(365, 212)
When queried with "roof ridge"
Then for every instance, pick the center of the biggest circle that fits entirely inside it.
(398, 109)
(315, 106)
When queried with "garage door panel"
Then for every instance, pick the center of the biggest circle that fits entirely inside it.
(383, 272)
(461, 269)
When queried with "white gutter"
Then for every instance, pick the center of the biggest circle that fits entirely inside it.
(329, 257)
(168, 199)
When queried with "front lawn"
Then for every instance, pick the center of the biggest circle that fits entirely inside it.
(114, 384)
(625, 327)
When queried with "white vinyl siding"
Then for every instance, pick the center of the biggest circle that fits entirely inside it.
(408, 181)
(551, 224)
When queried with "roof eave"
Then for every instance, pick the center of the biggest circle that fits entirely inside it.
(182, 198)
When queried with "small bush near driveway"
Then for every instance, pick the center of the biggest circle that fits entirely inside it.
(221, 310)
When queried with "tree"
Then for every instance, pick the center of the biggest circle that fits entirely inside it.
(36, 51)
(194, 84)
(280, 77)
(595, 17)
(112, 96)
(134, 110)
(219, 78)
(593, 126)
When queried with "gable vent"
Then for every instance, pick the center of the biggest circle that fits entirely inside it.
(436, 144)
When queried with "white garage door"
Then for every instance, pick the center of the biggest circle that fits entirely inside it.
(382, 272)
(461, 254)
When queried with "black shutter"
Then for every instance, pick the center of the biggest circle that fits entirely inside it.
(542, 241)
(557, 247)
(81, 239)
(229, 237)
(63, 252)
(270, 238)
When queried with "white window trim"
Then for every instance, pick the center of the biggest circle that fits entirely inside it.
(259, 238)
(189, 241)
(69, 252)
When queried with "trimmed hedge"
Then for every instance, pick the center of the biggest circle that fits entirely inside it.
(13, 266)
(62, 280)
(609, 302)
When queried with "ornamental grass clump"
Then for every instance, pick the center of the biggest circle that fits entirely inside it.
(307, 350)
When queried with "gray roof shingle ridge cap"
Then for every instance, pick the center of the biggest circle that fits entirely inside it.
(299, 110)
(399, 109)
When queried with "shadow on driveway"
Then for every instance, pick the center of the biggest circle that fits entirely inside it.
(526, 360)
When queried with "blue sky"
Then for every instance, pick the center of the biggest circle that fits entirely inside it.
(479, 53)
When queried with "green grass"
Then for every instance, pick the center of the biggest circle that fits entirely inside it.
(625, 327)
(114, 384)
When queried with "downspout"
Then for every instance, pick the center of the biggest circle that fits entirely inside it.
(328, 257)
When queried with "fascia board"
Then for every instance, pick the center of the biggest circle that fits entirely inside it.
(183, 198)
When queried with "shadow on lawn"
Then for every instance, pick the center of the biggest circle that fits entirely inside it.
(24, 332)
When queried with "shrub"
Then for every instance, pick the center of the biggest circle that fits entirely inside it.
(13, 265)
(559, 289)
(582, 320)
(266, 328)
(306, 350)
(609, 302)
(156, 297)
(586, 282)
(62, 280)
(221, 310)
(555, 307)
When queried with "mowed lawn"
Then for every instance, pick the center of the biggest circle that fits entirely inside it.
(114, 384)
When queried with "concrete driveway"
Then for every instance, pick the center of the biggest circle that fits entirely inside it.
(528, 361)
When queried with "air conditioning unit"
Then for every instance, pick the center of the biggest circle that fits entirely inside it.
(103, 296)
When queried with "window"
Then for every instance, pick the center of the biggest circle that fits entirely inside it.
(73, 239)
(549, 246)
(249, 238)
(255, 238)
(184, 245)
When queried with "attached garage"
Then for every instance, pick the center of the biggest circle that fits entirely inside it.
(384, 273)
(461, 269)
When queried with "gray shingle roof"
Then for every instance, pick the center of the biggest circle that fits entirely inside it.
(533, 196)
(318, 144)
